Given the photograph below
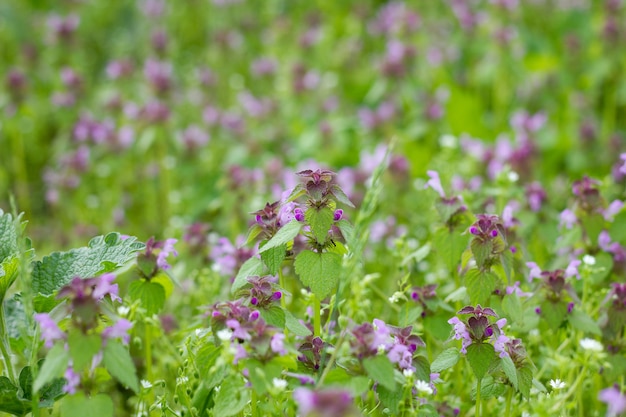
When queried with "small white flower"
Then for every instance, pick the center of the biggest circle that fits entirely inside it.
(447, 141)
(513, 176)
(408, 373)
(591, 344)
(557, 384)
(381, 349)
(397, 296)
(423, 387)
(589, 260)
(181, 380)
(146, 384)
(123, 311)
(279, 384)
(224, 334)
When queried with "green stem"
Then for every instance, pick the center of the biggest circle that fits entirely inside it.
(509, 397)
(4, 345)
(317, 316)
(477, 413)
(281, 282)
(148, 351)
(253, 401)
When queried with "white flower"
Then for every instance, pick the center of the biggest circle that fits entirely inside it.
(146, 384)
(591, 344)
(447, 141)
(224, 334)
(123, 311)
(408, 373)
(557, 384)
(181, 380)
(423, 387)
(397, 296)
(381, 349)
(279, 384)
(513, 176)
(589, 260)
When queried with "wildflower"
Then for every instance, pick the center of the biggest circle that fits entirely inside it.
(460, 332)
(612, 210)
(103, 287)
(572, 269)
(568, 219)
(119, 329)
(591, 345)
(423, 387)
(166, 249)
(329, 402)
(279, 384)
(589, 260)
(145, 384)
(397, 296)
(614, 399)
(72, 380)
(224, 334)
(277, 345)
(515, 289)
(49, 329)
(535, 271)
(435, 183)
(557, 384)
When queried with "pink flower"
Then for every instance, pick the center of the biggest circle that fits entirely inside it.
(49, 329)
(435, 183)
(535, 271)
(119, 329)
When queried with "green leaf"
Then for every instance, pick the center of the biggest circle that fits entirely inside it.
(297, 192)
(320, 221)
(480, 285)
(427, 410)
(8, 274)
(446, 359)
(48, 393)
(581, 321)
(506, 260)
(593, 225)
(554, 313)
(347, 230)
(422, 368)
(380, 369)
(480, 357)
(481, 251)
(489, 388)
(294, 325)
(319, 271)
(450, 246)
(118, 362)
(253, 232)
(509, 369)
(59, 268)
(206, 357)
(53, 367)
(262, 375)
(83, 348)
(151, 295)
(78, 405)
(274, 316)
(8, 236)
(284, 235)
(232, 397)
(418, 255)
(525, 380)
(9, 401)
(512, 306)
(390, 398)
(273, 258)
(250, 268)
(340, 195)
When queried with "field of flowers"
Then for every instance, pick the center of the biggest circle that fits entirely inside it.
(327, 208)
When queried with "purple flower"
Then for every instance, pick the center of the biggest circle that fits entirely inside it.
(612, 210)
(328, 402)
(277, 345)
(614, 399)
(49, 329)
(435, 183)
(460, 332)
(72, 381)
(515, 289)
(535, 271)
(238, 331)
(567, 219)
(402, 355)
(103, 287)
(298, 215)
(338, 215)
(572, 269)
(119, 329)
(166, 250)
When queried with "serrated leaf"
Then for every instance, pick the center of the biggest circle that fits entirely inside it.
(151, 295)
(9, 401)
(418, 255)
(8, 274)
(480, 357)
(250, 268)
(118, 362)
(273, 258)
(390, 398)
(297, 192)
(319, 271)
(489, 388)
(525, 380)
(53, 367)
(320, 220)
(78, 405)
(347, 230)
(8, 236)
(450, 247)
(510, 371)
(506, 260)
(83, 347)
(446, 359)
(553, 313)
(262, 375)
(380, 369)
(59, 268)
(294, 325)
(232, 397)
(253, 232)
(284, 235)
(512, 306)
(481, 249)
(48, 393)
(274, 316)
(480, 285)
(581, 321)
(422, 368)
(340, 195)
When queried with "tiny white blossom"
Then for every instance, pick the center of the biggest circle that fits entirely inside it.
(146, 384)
(224, 334)
(513, 176)
(397, 296)
(123, 311)
(447, 141)
(557, 384)
(381, 349)
(181, 380)
(423, 387)
(591, 344)
(589, 260)
(408, 373)
(279, 384)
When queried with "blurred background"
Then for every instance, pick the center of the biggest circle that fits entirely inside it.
(170, 118)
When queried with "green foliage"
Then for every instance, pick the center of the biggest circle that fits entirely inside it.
(250, 268)
(481, 357)
(273, 258)
(319, 271)
(446, 359)
(79, 405)
(320, 220)
(53, 367)
(151, 294)
(102, 254)
(232, 397)
(480, 285)
(285, 235)
(509, 370)
(274, 316)
(119, 363)
(83, 347)
(8, 236)
(380, 369)
(294, 326)
(482, 251)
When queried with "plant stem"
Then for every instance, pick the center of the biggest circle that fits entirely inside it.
(4, 345)
(281, 282)
(317, 316)
(509, 397)
(253, 402)
(477, 413)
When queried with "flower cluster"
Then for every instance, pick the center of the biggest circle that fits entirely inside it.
(478, 329)
(154, 258)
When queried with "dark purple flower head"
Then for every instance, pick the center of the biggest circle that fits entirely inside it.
(478, 311)
(535, 195)
(310, 352)
(487, 227)
(587, 194)
(338, 215)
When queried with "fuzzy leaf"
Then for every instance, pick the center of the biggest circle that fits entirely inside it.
(509, 369)
(422, 368)
(347, 230)
(380, 369)
(581, 321)
(294, 325)
(525, 380)
(83, 348)
(297, 192)
(320, 221)
(59, 268)
(251, 268)
(481, 251)
(284, 235)
(78, 405)
(48, 393)
(53, 367)
(554, 313)
(8, 236)
(512, 306)
(274, 316)
(232, 397)
(480, 357)
(489, 388)
(9, 401)
(118, 362)
(253, 232)
(446, 359)
(341, 196)
(450, 247)
(480, 285)
(8, 274)
(151, 295)
(274, 257)
(319, 271)
(390, 398)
